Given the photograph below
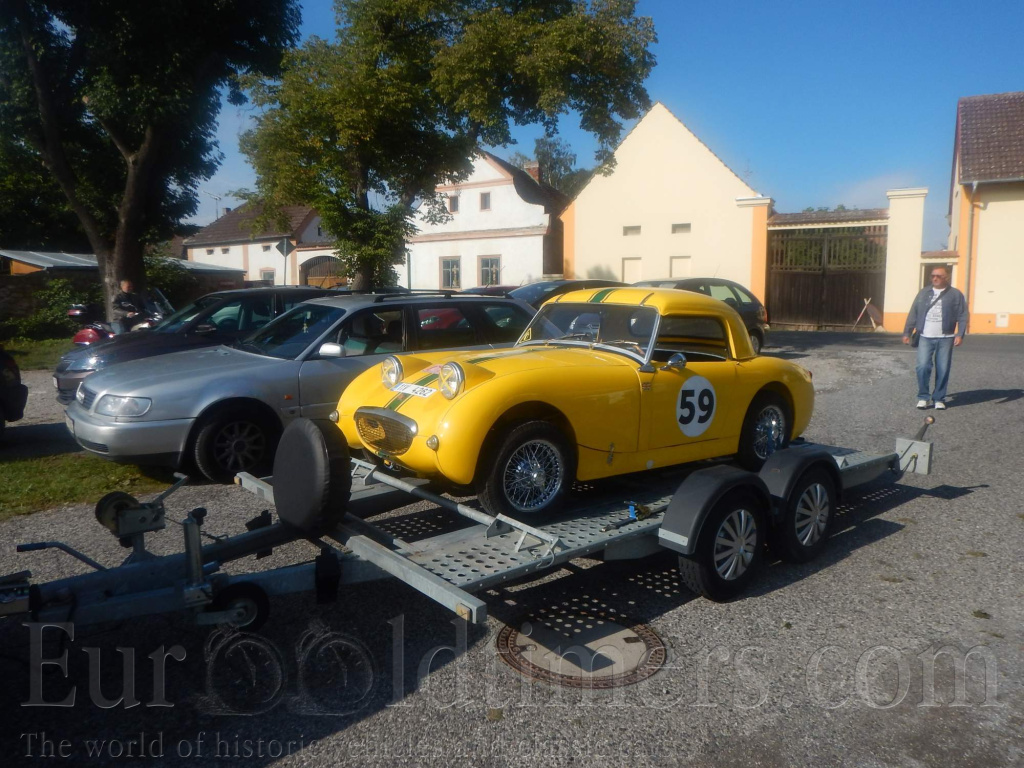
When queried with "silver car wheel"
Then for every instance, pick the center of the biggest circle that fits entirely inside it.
(812, 513)
(734, 544)
(533, 475)
(239, 445)
(769, 431)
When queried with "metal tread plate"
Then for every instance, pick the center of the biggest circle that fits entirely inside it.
(480, 562)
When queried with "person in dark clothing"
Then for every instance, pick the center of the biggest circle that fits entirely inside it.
(939, 315)
(128, 308)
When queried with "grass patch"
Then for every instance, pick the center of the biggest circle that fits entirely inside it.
(32, 355)
(32, 485)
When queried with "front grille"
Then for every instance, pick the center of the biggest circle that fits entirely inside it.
(384, 433)
(88, 397)
(98, 447)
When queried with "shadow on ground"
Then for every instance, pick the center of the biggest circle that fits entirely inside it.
(31, 441)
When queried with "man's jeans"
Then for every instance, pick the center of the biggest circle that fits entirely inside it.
(941, 349)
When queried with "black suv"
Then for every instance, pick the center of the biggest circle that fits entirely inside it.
(754, 315)
(216, 318)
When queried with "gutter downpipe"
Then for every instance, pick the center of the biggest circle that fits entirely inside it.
(970, 245)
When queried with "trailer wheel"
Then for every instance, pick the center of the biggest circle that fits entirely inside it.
(532, 469)
(250, 599)
(802, 530)
(730, 547)
(766, 429)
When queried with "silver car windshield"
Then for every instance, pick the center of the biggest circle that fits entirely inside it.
(616, 327)
(289, 335)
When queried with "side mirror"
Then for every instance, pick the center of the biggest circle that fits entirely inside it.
(330, 350)
(204, 328)
(675, 363)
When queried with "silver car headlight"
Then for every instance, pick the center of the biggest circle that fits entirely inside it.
(391, 371)
(115, 405)
(451, 380)
(85, 364)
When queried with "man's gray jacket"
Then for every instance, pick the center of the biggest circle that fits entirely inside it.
(954, 311)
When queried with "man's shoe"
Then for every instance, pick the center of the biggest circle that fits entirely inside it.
(922, 404)
(939, 405)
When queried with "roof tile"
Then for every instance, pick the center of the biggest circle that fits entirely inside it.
(990, 137)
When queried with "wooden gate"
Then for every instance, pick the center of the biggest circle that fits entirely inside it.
(819, 278)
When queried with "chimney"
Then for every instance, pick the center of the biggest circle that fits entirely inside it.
(227, 211)
(533, 168)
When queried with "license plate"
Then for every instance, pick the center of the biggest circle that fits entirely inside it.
(70, 424)
(55, 384)
(413, 389)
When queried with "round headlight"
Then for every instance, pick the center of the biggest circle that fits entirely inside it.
(391, 371)
(450, 380)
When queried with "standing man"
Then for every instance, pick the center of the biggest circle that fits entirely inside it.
(939, 315)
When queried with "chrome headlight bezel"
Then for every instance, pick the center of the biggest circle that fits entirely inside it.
(451, 379)
(391, 371)
(118, 406)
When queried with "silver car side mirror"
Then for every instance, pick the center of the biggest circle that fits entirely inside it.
(330, 349)
(675, 363)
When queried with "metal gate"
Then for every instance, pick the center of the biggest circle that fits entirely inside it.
(819, 278)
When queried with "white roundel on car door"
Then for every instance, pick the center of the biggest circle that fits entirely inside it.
(695, 406)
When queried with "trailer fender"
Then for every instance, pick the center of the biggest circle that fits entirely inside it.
(784, 468)
(694, 499)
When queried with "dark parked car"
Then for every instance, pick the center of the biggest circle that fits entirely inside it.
(216, 318)
(491, 290)
(754, 315)
(13, 394)
(536, 294)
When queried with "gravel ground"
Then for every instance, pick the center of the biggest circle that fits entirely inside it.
(833, 662)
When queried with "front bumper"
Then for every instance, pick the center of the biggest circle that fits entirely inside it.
(66, 384)
(139, 442)
(12, 402)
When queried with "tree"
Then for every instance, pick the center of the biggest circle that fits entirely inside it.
(366, 128)
(118, 100)
(557, 164)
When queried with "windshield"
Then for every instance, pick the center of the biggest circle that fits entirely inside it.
(289, 335)
(617, 327)
(533, 293)
(183, 317)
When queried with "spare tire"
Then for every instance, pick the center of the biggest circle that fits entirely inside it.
(312, 475)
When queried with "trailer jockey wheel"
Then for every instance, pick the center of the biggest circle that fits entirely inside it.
(312, 475)
(730, 547)
(247, 598)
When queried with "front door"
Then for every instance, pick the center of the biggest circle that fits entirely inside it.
(686, 405)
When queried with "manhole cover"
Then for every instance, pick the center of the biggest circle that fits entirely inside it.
(582, 649)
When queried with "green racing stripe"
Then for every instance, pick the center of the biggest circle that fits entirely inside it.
(401, 397)
(600, 296)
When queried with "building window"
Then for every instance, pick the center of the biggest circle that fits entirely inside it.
(680, 229)
(630, 231)
(679, 266)
(209, 251)
(631, 269)
(225, 250)
(267, 275)
(485, 201)
(450, 273)
(319, 231)
(453, 204)
(266, 247)
(490, 270)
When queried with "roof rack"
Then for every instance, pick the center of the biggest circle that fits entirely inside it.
(388, 296)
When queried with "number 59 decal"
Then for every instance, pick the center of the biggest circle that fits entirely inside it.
(695, 408)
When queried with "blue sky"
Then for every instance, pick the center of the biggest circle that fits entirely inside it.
(814, 103)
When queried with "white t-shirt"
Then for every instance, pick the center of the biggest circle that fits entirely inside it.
(933, 320)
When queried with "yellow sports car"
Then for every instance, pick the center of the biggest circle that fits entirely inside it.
(602, 382)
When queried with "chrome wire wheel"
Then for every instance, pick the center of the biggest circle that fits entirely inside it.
(769, 431)
(533, 475)
(735, 544)
(812, 515)
(239, 445)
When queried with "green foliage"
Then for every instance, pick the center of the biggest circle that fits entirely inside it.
(38, 354)
(51, 319)
(119, 101)
(557, 165)
(363, 128)
(170, 276)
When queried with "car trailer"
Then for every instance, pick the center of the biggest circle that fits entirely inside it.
(718, 520)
